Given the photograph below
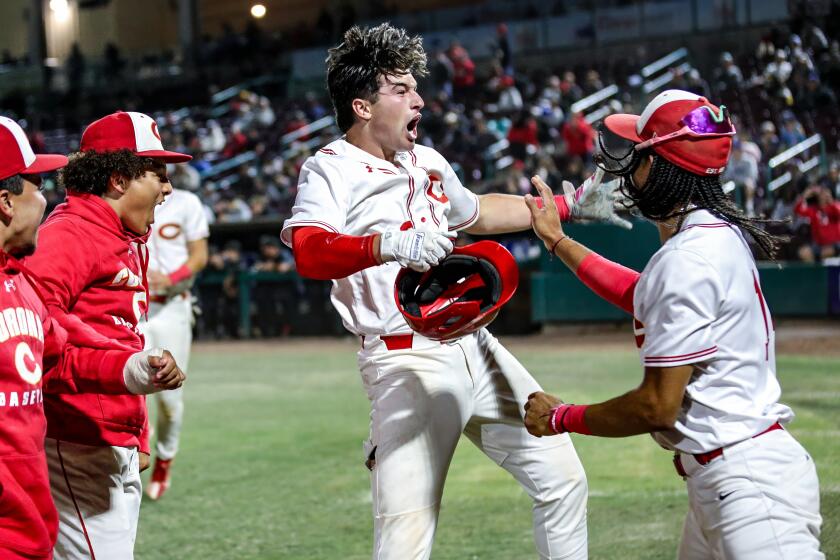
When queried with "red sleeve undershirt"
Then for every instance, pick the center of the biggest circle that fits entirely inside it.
(324, 255)
(612, 281)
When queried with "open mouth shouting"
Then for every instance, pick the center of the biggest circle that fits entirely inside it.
(411, 127)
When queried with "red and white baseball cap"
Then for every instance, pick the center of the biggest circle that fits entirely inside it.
(682, 127)
(128, 131)
(16, 155)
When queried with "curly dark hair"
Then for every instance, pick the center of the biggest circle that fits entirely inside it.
(673, 192)
(13, 184)
(89, 172)
(354, 66)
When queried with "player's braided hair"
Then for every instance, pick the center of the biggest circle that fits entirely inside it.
(354, 66)
(13, 184)
(672, 192)
(90, 172)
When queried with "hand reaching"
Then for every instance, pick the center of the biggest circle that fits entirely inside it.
(545, 220)
(595, 200)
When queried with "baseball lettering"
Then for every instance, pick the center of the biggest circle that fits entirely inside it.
(27, 367)
(18, 321)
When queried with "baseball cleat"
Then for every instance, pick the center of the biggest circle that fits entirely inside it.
(159, 482)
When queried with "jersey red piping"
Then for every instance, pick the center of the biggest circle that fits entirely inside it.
(698, 354)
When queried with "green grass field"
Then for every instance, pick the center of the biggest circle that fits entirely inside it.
(271, 461)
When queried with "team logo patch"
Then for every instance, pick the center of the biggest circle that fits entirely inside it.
(169, 231)
(434, 189)
(638, 332)
(155, 130)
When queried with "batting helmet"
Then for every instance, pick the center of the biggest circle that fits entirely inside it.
(461, 294)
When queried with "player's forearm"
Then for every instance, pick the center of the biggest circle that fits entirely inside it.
(323, 255)
(628, 415)
(506, 213)
(88, 370)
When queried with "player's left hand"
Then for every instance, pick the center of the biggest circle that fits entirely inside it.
(596, 200)
(158, 281)
(545, 220)
(538, 411)
(144, 460)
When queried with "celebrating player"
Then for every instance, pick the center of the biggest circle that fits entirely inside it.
(709, 392)
(37, 358)
(92, 259)
(374, 201)
(177, 252)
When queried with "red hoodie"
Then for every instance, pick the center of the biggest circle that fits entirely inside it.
(30, 343)
(94, 274)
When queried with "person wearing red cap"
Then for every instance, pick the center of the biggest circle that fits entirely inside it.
(92, 259)
(706, 338)
(37, 360)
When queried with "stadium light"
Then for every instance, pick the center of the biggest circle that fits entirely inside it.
(60, 9)
(258, 10)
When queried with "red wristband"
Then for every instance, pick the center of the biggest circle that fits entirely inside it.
(569, 418)
(180, 275)
(562, 206)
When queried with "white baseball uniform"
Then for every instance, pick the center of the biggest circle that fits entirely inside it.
(699, 302)
(424, 396)
(178, 221)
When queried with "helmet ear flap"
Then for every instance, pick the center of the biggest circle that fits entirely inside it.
(460, 295)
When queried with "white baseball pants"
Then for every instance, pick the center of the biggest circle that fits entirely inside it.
(759, 501)
(170, 327)
(97, 492)
(422, 399)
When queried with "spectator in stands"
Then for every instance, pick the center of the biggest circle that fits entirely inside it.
(818, 205)
(523, 136)
(592, 82)
(776, 77)
(75, 66)
(112, 63)
(832, 180)
(768, 141)
(579, 137)
(232, 208)
(696, 84)
(463, 81)
(792, 131)
(221, 302)
(743, 171)
(510, 99)
(728, 76)
(571, 91)
(503, 51)
(275, 301)
(749, 147)
(441, 73)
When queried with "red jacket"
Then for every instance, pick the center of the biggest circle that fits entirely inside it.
(30, 343)
(825, 221)
(94, 274)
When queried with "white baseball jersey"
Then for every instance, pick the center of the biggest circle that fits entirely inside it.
(699, 301)
(346, 190)
(179, 220)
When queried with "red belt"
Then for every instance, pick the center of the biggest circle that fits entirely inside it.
(163, 299)
(397, 341)
(709, 456)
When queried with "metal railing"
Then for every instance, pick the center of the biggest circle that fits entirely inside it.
(664, 62)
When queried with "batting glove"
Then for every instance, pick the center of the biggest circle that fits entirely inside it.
(415, 249)
(595, 200)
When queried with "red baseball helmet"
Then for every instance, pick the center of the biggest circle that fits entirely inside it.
(461, 294)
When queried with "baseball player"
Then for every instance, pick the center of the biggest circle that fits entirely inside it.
(177, 252)
(371, 202)
(36, 358)
(706, 339)
(92, 259)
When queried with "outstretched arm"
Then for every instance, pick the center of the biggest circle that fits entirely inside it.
(611, 281)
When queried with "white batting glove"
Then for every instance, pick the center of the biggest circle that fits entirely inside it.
(138, 373)
(415, 249)
(595, 200)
